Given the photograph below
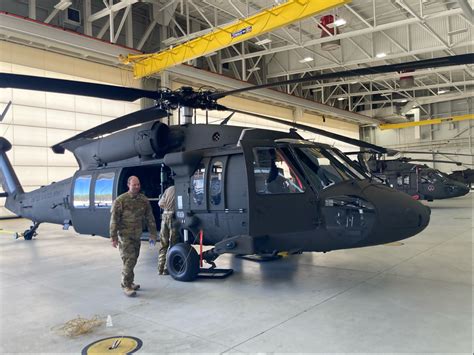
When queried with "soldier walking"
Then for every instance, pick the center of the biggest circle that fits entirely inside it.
(168, 235)
(129, 211)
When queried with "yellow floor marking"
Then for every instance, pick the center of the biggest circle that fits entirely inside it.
(114, 345)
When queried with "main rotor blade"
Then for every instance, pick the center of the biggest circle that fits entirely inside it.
(419, 64)
(441, 153)
(28, 82)
(321, 132)
(142, 116)
(429, 161)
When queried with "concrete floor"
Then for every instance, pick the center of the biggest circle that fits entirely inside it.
(410, 298)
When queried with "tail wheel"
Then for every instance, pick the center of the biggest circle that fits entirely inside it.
(183, 262)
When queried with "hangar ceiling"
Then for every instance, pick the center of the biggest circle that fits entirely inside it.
(368, 33)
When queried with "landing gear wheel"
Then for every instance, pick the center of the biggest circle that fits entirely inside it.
(29, 234)
(183, 262)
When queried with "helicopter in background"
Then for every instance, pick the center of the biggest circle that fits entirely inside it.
(407, 174)
(237, 185)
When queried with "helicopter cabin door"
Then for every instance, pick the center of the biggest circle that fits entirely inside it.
(279, 199)
(92, 199)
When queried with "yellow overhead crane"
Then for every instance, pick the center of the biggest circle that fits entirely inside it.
(385, 126)
(265, 21)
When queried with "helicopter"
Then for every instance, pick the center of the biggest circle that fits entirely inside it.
(407, 174)
(239, 190)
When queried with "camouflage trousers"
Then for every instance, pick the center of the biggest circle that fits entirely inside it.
(129, 252)
(168, 238)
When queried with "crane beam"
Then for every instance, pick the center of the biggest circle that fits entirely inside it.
(385, 126)
(221, 37)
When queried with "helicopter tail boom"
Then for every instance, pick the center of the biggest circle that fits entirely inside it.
(8, 179)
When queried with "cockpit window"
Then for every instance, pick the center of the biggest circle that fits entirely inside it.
(323, 168)
(273, 173)
(431, 176)
(347, 163)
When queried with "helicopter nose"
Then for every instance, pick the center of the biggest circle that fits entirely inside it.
(456, 189)
(398, 215)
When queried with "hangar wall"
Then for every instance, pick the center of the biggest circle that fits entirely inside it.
(37, 120)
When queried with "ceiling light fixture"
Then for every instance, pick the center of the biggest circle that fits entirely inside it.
(442, 91)
(340, 22)
(381, 55)
(263, 41)
(306, 60)
(341, 98)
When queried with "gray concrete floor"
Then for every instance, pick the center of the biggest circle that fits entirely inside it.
(410, 298)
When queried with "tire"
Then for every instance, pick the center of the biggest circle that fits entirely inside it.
(183, 262)
(28, 235)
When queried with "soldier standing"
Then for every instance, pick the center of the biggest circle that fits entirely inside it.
(168, 235)
(129, 211)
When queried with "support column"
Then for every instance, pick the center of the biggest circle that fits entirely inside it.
(87, 14)
(32, 9)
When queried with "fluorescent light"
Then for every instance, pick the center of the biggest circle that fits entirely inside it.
(340, 22)
(442, 91)
(341, 98)
(404, 100)
(253, 69)
(63, 5)
(381, 55)
(263, 41)
(306, 60)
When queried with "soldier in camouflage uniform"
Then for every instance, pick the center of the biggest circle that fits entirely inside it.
(129, 212)
(168, 235)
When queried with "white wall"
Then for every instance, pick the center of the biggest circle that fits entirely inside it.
(37, 120)
(454, 137)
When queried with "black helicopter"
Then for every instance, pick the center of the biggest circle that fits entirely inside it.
(410, 176)
(251, 191)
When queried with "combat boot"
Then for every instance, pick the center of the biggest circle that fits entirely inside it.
(129, 292)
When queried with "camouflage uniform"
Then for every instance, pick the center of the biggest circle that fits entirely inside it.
(129, 213)
(168, 235)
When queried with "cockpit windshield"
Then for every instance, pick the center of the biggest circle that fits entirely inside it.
(431, 176)
(325, 166)
(287, 168)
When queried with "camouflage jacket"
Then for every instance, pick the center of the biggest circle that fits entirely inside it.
(129, 215)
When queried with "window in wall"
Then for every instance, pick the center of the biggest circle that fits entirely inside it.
(81, 191)
(216, 183)
(103, 190)
(197, 185)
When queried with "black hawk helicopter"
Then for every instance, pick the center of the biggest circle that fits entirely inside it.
(410, 176)
(252, 191)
